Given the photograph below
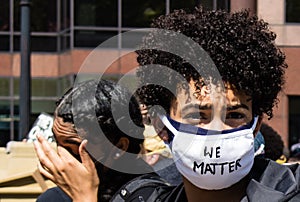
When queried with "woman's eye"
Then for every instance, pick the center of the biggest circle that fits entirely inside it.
(235, 115)
(194, 118)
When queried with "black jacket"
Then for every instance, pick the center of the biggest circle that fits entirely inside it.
(269, 182)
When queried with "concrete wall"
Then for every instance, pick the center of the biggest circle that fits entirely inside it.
(236, 5)
(273, 12)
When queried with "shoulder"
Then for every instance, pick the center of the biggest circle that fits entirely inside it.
(279, 182)
(54, 194)
(149, 187)
(264, 167)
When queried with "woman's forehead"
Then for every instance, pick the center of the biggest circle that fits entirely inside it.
(208, 94)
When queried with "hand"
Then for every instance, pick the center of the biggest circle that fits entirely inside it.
(79, 180)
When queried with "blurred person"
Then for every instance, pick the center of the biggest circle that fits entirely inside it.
(158, 155)
(156, 152)
(294, 154)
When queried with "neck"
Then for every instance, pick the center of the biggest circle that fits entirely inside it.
(234, 193)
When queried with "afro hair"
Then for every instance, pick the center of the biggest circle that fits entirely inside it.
(241, 46)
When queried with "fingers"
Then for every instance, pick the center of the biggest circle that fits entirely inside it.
(66, 157)
(46, 173)
(85, 157)
(43, 151)
(65, 170)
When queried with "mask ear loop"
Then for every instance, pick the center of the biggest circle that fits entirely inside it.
(254, 123)
(169, 126)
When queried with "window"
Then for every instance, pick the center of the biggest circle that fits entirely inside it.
(215, 4)
(95, 22)
(4, 15)
(64, 14)
(96, 13)
(136, 13)
(4, 39)
(44, 87)
(50, 25)
(4, 90)
(38, 43)
(87, 38)
(294, 119)
(43, 16)
(187, 4)
(45, 92)
(4, 25)
(292, 11)
(38, 106)
(7, 123)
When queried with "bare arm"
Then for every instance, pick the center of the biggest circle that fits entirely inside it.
(79, 180)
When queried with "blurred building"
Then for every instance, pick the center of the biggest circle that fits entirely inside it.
(64, 32)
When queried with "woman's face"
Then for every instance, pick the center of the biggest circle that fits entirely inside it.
(66, 135)
(211, 109)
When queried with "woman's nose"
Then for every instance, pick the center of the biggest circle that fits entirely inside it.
(217, 123)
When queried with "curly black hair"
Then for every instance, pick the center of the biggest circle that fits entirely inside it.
(241, 46)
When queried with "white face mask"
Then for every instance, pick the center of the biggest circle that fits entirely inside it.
(211, 159)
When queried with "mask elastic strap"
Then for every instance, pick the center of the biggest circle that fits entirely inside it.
(167, 123)
(254, 123)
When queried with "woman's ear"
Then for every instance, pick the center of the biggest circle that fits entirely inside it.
(122, 146)
(258, 125)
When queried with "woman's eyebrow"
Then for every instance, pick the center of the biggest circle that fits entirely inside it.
(234, 107)
(209, 106)
(197, 106)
